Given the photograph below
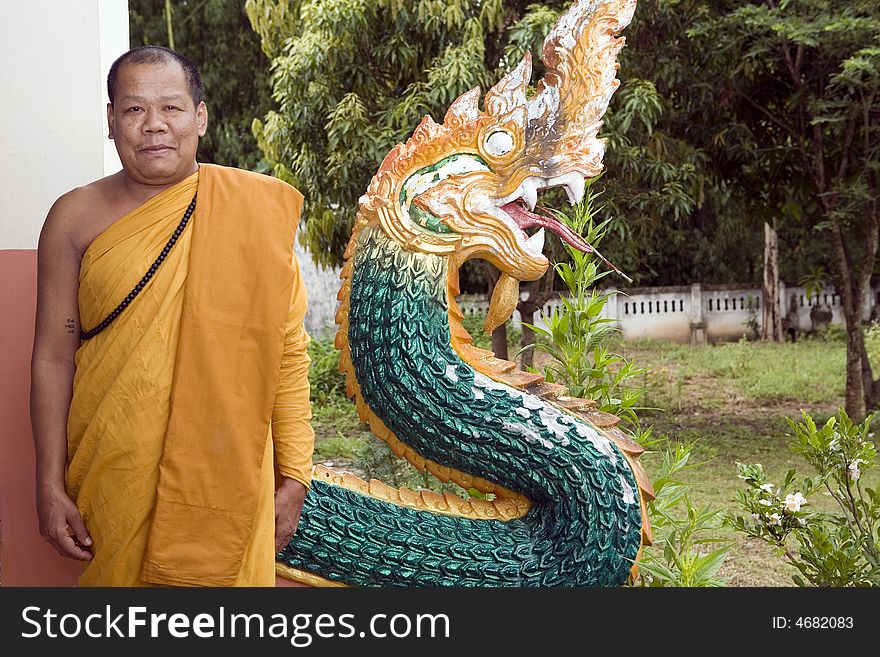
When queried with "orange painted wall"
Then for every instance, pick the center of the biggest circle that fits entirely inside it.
(25, 559)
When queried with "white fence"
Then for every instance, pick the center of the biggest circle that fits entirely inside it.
(699, 312)
(685, 313)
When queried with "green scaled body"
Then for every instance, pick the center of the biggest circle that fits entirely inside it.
(584, 527)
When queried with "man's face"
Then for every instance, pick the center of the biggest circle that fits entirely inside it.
(155, 124)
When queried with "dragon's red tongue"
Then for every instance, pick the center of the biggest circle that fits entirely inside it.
(525, 219)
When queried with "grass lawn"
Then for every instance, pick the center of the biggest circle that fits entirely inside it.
(730, 399)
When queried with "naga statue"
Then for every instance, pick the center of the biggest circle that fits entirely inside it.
(565, 493)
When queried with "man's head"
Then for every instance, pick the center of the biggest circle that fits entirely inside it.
(156, 114)
(157, 55)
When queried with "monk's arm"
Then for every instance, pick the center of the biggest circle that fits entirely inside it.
(56, 339)
(292, 431)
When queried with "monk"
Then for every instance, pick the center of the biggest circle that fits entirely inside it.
(170, 398)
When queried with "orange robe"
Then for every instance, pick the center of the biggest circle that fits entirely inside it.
(123, 391)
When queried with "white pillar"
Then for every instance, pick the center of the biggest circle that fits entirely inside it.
(783, 299)
(696, 303)
(611, 310)
(53, 69)
(699, 332)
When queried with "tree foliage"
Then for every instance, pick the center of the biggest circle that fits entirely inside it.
(353, 78)
(216, 35)
(675, 221)
(800, 85)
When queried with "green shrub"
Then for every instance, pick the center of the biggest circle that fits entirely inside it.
(577, 337)
(681, 555)
(833, 549)
(834, 333)
(325, 380)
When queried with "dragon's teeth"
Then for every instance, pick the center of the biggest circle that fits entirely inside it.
(530, 192)
(574, 187)
(535, 244)
(510, 198)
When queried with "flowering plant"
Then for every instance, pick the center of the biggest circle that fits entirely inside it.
(773, 512)
(839, 549)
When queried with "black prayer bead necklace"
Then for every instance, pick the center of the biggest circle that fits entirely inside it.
(85, 335)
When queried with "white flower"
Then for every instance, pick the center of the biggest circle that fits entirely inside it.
(765, 502)
(834, 445)
(756, 516)
(793, 502)
(854, 471)
(803, 521)
(775, 519)
(767, 487)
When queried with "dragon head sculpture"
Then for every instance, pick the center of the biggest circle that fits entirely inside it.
(467, 188)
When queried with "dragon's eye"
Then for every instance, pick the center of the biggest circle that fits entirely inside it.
(499, 143)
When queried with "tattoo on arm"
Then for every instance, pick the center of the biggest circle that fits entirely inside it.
(69, 325)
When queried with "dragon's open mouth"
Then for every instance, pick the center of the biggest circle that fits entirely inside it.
(524, 218)
(520, 206)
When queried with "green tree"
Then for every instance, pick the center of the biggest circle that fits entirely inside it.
(216, 35)
(353, 78)
(800, 82)
(672, 219)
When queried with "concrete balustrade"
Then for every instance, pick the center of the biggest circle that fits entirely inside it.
(685, 313)
(699, 313)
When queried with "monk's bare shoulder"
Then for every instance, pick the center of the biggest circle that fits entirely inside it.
(78, 216)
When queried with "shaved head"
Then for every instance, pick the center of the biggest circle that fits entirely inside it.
(157, 55)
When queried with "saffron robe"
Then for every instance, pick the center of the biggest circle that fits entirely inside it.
(124, 385)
